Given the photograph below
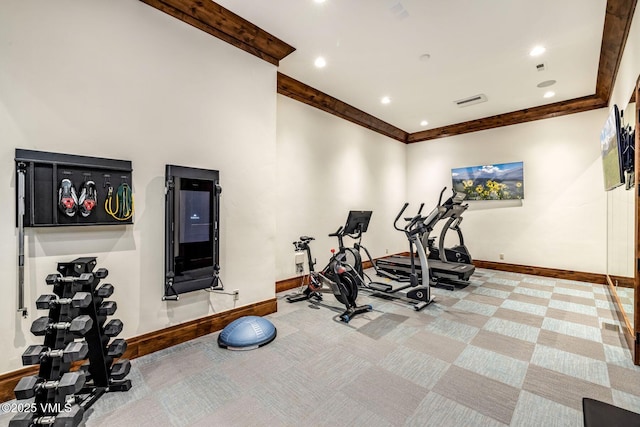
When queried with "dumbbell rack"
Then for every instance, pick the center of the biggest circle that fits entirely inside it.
(100, 374)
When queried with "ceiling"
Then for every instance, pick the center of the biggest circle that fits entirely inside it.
(426, 54)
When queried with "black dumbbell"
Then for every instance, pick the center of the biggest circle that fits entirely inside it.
(75, 350)
(80, 299)
(101, 273)
(117, 348)
(70, 418)
(113, 327)
(107, 308)
(84, 279)
(105, 291)
(80, 325)
(120, 369)
(70, 383)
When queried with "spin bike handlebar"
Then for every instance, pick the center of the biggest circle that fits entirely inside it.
(338, 233)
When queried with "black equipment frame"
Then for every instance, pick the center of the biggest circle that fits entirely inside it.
(173, 284)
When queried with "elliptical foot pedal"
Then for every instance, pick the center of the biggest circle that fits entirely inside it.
(381, 287)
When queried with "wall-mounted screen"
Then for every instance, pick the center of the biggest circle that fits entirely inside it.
(610, 150)
(192, 224)
(501, 181)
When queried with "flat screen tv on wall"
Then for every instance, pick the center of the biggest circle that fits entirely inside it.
(611, 151)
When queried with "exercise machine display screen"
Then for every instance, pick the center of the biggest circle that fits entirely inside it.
(195, 214)
(193, 241)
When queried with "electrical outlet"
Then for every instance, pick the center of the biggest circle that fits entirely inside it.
(501, 256)
(236, 294)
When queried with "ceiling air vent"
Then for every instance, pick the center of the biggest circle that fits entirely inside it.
(476, 99)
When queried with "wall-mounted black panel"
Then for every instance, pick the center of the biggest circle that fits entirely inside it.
(44, 173)
(192, 227)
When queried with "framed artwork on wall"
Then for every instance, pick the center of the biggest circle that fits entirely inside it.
(503, 181)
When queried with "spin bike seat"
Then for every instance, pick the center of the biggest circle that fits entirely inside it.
(306, 238)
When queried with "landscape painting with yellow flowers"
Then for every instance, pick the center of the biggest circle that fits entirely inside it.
(504, 181)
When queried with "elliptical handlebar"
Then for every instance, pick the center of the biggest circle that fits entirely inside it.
(395, 223)
(441, 194)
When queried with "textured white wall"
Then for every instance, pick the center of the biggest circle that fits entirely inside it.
(326, 167)
(561, 221)
(119, 79)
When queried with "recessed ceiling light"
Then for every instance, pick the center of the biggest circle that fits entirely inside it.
(320, 62)
(385, 100)
(319, 1)
(546, 83)
(549, 94)
(424, 123)
(424, 57)
(538, 50)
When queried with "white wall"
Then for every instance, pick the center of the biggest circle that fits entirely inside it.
(119, 79)
(561, 221)
(326, 167)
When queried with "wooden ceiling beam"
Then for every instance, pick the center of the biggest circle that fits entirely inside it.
(617, 22)
(304, 93)
(527, 115)
(214, 19)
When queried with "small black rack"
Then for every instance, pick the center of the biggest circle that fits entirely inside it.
(44, 171)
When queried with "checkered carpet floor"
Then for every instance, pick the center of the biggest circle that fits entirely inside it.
(509, 349)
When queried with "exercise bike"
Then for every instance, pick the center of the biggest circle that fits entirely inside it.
(417, 296)
(337, 277)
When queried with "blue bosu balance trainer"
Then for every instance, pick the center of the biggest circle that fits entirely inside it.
(247, 333)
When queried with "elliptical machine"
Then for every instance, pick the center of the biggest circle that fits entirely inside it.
(419, 293)
(337, 277)
(453, 210)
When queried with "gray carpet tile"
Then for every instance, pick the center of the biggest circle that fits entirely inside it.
(452, 329)
(489, 290)
(512, 329)
(587, 348)
(536, 411)
(564, 389)
(493, 365)
(572, 364)
(624, 379)
(574, 317)
(544, 286)
(386, 394)
(468, 318)
(485, 395)
(434, 344)
(502, 344)
(540, 281)
(574, 329)
(531, 299)
(533, 292)
(574, 299)
(525, 307)
(484, 299)
(475, 307)
(587, 310)
(437, 410)
(507, 350)
(381, 326)
(519, 317)
(630, 402)
(412, 365)
(340, 409)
